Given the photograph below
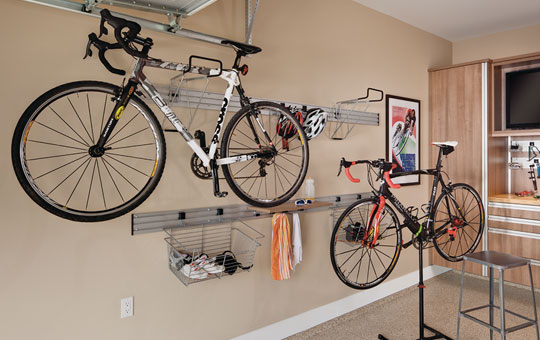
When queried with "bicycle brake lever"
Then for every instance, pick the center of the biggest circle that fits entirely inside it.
(340, 166)
(88, 48)
(102, 28)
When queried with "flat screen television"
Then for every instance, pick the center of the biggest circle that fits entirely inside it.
(523, 99)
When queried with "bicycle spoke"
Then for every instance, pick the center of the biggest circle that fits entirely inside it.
(60, 167)
(293, 163)
(129, 166)
(63, 134)
(133, 134)
(69, 126)
(91, 182)
(133, 146)
(239, 171)
(101, 184)
(65, 179)
(129, 156)
(80, 120)
(121, 175)
(78, 181)
(123, 127)
(112, 179)
(63, 155)
(276, 175)
(90, 116)
(283, 174)
(55, 144)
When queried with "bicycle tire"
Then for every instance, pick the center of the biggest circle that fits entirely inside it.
(464, 209)
(283, 173)
(53, 116)
(346, 237)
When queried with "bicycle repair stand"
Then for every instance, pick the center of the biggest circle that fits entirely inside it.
(422, 325)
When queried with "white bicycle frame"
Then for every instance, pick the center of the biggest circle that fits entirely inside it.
(230, 76)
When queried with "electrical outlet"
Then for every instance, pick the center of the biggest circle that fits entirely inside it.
(126, 307)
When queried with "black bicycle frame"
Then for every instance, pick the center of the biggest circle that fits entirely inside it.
(410, 221)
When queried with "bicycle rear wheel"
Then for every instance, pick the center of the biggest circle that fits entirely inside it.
(273, 179)
(355, 263)
(458, 222)
(56, 164)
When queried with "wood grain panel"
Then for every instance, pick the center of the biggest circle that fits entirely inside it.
(514, 226)
(455, 108)
(511, 198)
(528, 248)
(533, 215)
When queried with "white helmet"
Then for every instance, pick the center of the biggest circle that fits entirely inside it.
(314, 122)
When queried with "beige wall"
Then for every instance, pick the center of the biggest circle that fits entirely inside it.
(499, 45)
(64, 280)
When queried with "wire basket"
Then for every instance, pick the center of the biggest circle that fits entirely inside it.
(198, 254)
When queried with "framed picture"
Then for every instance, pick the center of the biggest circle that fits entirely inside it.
(403, 137)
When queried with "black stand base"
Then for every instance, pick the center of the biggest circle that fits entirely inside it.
(422, 326)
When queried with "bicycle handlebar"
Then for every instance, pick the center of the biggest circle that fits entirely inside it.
(127, 37)
(386, 167)
(125, 40)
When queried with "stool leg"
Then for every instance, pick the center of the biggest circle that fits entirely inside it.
(460, 296)
(534, 303)
(491, 295)
(501, 306)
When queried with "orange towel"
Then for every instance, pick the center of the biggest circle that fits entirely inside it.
(281, 255)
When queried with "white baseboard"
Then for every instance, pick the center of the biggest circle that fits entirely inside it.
(314, 317)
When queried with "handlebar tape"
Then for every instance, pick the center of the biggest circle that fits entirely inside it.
(119, 24)
(349, 176)
(389, 181)
(103, 47)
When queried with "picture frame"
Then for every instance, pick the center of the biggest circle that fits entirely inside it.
(403, 119)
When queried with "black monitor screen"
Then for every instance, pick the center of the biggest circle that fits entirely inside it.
(523, 99)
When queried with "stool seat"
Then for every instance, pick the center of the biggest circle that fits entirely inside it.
(500, 262)
(494, 259)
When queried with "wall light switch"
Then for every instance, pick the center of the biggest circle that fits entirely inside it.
(126, 307)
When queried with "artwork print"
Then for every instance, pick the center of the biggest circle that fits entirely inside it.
(403, 137)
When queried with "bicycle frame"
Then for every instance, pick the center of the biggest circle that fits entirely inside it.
(410, 221)
(138, 77)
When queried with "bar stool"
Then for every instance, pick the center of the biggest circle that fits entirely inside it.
(499, 261)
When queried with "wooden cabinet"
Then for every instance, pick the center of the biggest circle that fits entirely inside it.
(460, 98)
(514, 228)
(458, 112)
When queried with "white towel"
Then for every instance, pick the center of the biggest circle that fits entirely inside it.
(296, 241)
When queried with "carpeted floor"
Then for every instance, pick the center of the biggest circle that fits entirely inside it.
(396, 317)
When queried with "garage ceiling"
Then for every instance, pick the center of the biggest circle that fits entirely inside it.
(457, 20)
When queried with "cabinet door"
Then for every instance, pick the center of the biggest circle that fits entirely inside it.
(455, 114)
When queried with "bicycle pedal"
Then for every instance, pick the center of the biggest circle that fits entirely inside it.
(221, 194)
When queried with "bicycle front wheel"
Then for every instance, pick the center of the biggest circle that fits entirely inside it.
(458, 222)
(357, 264)
(276, 175)
(56, 163)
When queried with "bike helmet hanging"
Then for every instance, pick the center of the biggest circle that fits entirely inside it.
(315, 122)
(285, 128)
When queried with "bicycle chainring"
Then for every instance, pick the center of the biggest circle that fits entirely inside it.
(198, 168)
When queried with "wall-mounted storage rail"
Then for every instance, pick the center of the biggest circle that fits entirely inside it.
(200, 99)
(159, 221)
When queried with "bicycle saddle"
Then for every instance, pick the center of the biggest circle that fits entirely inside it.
(448, 147)
(247, 49)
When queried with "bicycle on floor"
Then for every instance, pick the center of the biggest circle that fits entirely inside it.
(91, 151)
(366, 241)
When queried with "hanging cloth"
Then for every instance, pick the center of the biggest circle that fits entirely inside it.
(296, 241)
(280, 256)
